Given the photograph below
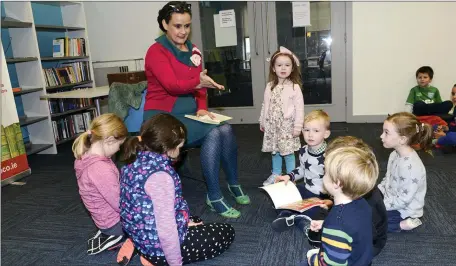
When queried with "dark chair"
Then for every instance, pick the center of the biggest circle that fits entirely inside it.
(182, 165)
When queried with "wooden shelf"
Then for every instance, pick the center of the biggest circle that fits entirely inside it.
(35, 148)
(57, 28)
(25, 91)
(20, 59)
(63, 58)
(69, 85)
(28, 120)
(70, 112)
(8, 23)
(67, 139)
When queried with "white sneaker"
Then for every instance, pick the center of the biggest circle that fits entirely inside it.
(270, 180)
(410, 223)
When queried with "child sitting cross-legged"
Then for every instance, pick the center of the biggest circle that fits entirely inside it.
(153, 211)
(311, 169)
(404, 185)
(350, 173)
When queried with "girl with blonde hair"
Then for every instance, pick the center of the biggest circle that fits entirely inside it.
(98, 179)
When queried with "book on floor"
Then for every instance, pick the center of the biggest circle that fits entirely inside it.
(206, 119)
(287, 197)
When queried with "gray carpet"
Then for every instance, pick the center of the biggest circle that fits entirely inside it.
(45, 223)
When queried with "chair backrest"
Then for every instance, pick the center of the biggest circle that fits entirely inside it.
(134, 119)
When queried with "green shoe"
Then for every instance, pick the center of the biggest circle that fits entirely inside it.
(230, 211)
(242, 199)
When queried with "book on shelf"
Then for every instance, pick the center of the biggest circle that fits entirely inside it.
(68, 73)
(206, 119)
(63, 105)
(287, 197)
(72, 125)
(65, 46)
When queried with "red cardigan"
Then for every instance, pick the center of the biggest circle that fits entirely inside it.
(167, 79)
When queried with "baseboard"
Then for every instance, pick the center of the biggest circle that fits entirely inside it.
(366, 119)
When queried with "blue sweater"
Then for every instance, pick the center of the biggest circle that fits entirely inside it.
(346, 236)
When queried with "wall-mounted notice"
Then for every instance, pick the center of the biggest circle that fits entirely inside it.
(301, 14)
(224, 36)
(227, 18)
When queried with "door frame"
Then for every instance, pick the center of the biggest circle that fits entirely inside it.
(265, 32)
(338, 109)
(244, 114)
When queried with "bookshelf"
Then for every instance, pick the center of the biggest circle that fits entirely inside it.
(28, 30)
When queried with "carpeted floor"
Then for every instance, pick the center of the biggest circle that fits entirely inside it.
(45, 223)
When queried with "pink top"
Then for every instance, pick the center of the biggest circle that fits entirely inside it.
(98, 181)
(160, 188)
(292, 104)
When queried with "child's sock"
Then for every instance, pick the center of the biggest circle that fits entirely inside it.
(410, 224)
(125, 252)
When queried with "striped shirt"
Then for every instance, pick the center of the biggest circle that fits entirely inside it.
(346, 236)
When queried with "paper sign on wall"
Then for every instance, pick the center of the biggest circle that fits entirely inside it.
(224, 36)
(301, 14)
(227, 18)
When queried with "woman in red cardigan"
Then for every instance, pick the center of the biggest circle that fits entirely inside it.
(176, 85)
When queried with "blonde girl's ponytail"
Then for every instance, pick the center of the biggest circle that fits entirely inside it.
(102, 127)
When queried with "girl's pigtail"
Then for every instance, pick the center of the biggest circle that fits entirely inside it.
(425, 137)
(81, 145)
(131, 146)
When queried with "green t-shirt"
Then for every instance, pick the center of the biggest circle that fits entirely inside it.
(427, 95)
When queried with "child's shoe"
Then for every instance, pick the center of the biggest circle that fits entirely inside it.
(410, 223)
(126, 252)
(102, 242)
(284, 223)
(270, 179)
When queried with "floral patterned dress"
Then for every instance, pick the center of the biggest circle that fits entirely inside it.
(278, 131)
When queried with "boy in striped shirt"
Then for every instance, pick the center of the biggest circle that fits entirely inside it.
(346, 236)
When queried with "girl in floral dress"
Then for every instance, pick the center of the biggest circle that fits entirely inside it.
(282, 112)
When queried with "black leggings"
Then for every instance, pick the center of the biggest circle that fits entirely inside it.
(202, 242)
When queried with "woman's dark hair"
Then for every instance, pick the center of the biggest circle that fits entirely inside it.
(161, 133)
(172, 7)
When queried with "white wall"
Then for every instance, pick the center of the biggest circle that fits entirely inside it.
(121, 30)
(391, 40)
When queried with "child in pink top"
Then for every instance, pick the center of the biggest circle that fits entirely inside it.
(282, 112)
(98, 178)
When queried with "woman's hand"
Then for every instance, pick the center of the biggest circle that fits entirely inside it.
(208, 82)
(203, 112)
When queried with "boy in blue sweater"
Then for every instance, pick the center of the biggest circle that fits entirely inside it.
(346, 238)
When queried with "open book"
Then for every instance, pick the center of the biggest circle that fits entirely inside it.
(288, 197)
(206, 119)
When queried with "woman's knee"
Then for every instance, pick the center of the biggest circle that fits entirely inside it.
(226, 129)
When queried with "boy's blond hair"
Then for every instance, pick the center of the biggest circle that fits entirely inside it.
(347, 141)
(355, 169)
(317, 115)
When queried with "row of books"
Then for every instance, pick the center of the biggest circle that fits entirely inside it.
(65, 46)
(64, 105)
(66, 74)
(71, 126)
